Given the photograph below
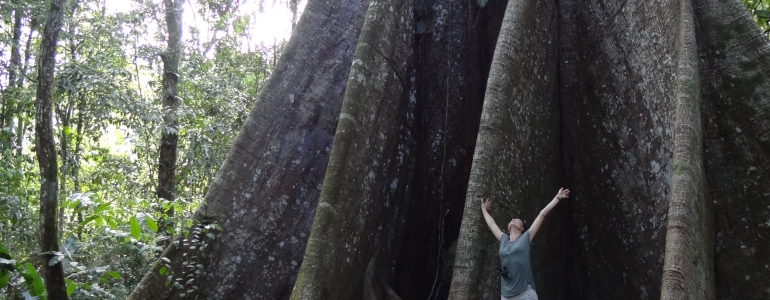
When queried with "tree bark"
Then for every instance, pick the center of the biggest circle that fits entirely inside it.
(612, 99)
(167, 153)
(734, 58)
(22, 111)
(45, 148)
(688, 269)
(266, 191)
(11, 99)
(364, 185)
(452, 59)
(516, 159)
(617, 73)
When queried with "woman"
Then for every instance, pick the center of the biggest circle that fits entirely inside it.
(516, 281)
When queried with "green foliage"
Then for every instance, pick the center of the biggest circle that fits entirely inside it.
(107, 118)
(760, 10)
(32, 280)
(34, 287)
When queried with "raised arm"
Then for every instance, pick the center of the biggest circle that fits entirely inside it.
(490, 221)
(563, 194)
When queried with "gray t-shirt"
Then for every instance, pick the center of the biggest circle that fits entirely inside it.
(514, 256)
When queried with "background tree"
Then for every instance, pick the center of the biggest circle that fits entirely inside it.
(45, 148)
(169, 137)
(106, 123)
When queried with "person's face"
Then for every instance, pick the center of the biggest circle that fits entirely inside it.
(516, 224)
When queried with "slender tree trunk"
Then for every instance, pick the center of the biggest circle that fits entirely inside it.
(22, 111)
(76, 160)
(168, 142)
(11, 99)
(64, 113)
(64, 120)
(53, 275)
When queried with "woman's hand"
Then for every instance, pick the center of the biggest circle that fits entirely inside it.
(562, 194)
(485, 204)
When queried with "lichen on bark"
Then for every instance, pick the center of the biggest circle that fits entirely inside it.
(736, 106)
(265, 194)
(361, 195)
(516, 159)
(688, 269)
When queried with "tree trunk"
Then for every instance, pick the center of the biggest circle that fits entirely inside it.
(22, 110)
(11, 99)
(651, 114)
(53, 275)
(734, 59)
(452, 62)
(516, 159)
(267, 190)
(370, 162)
(688, 269)
(166, 189)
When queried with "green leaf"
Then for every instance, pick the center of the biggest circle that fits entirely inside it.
(482, 2)
(112, 223)
(4, 252)
(55, 259)
(764, 14)
(109, 274)
(70, 287)
(67, 130)
(211, 236)
(136, 231)
(151, 223)
(89, 219)
(33, 281)
(162, 270)
(114, 274)
(102, 207)
(4, 276)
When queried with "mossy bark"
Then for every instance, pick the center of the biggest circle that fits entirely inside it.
(688, 269)
(516, 159)
(368, 167)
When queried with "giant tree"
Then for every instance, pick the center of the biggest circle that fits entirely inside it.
(655, 116)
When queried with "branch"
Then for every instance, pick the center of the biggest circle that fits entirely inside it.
(30, 78)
